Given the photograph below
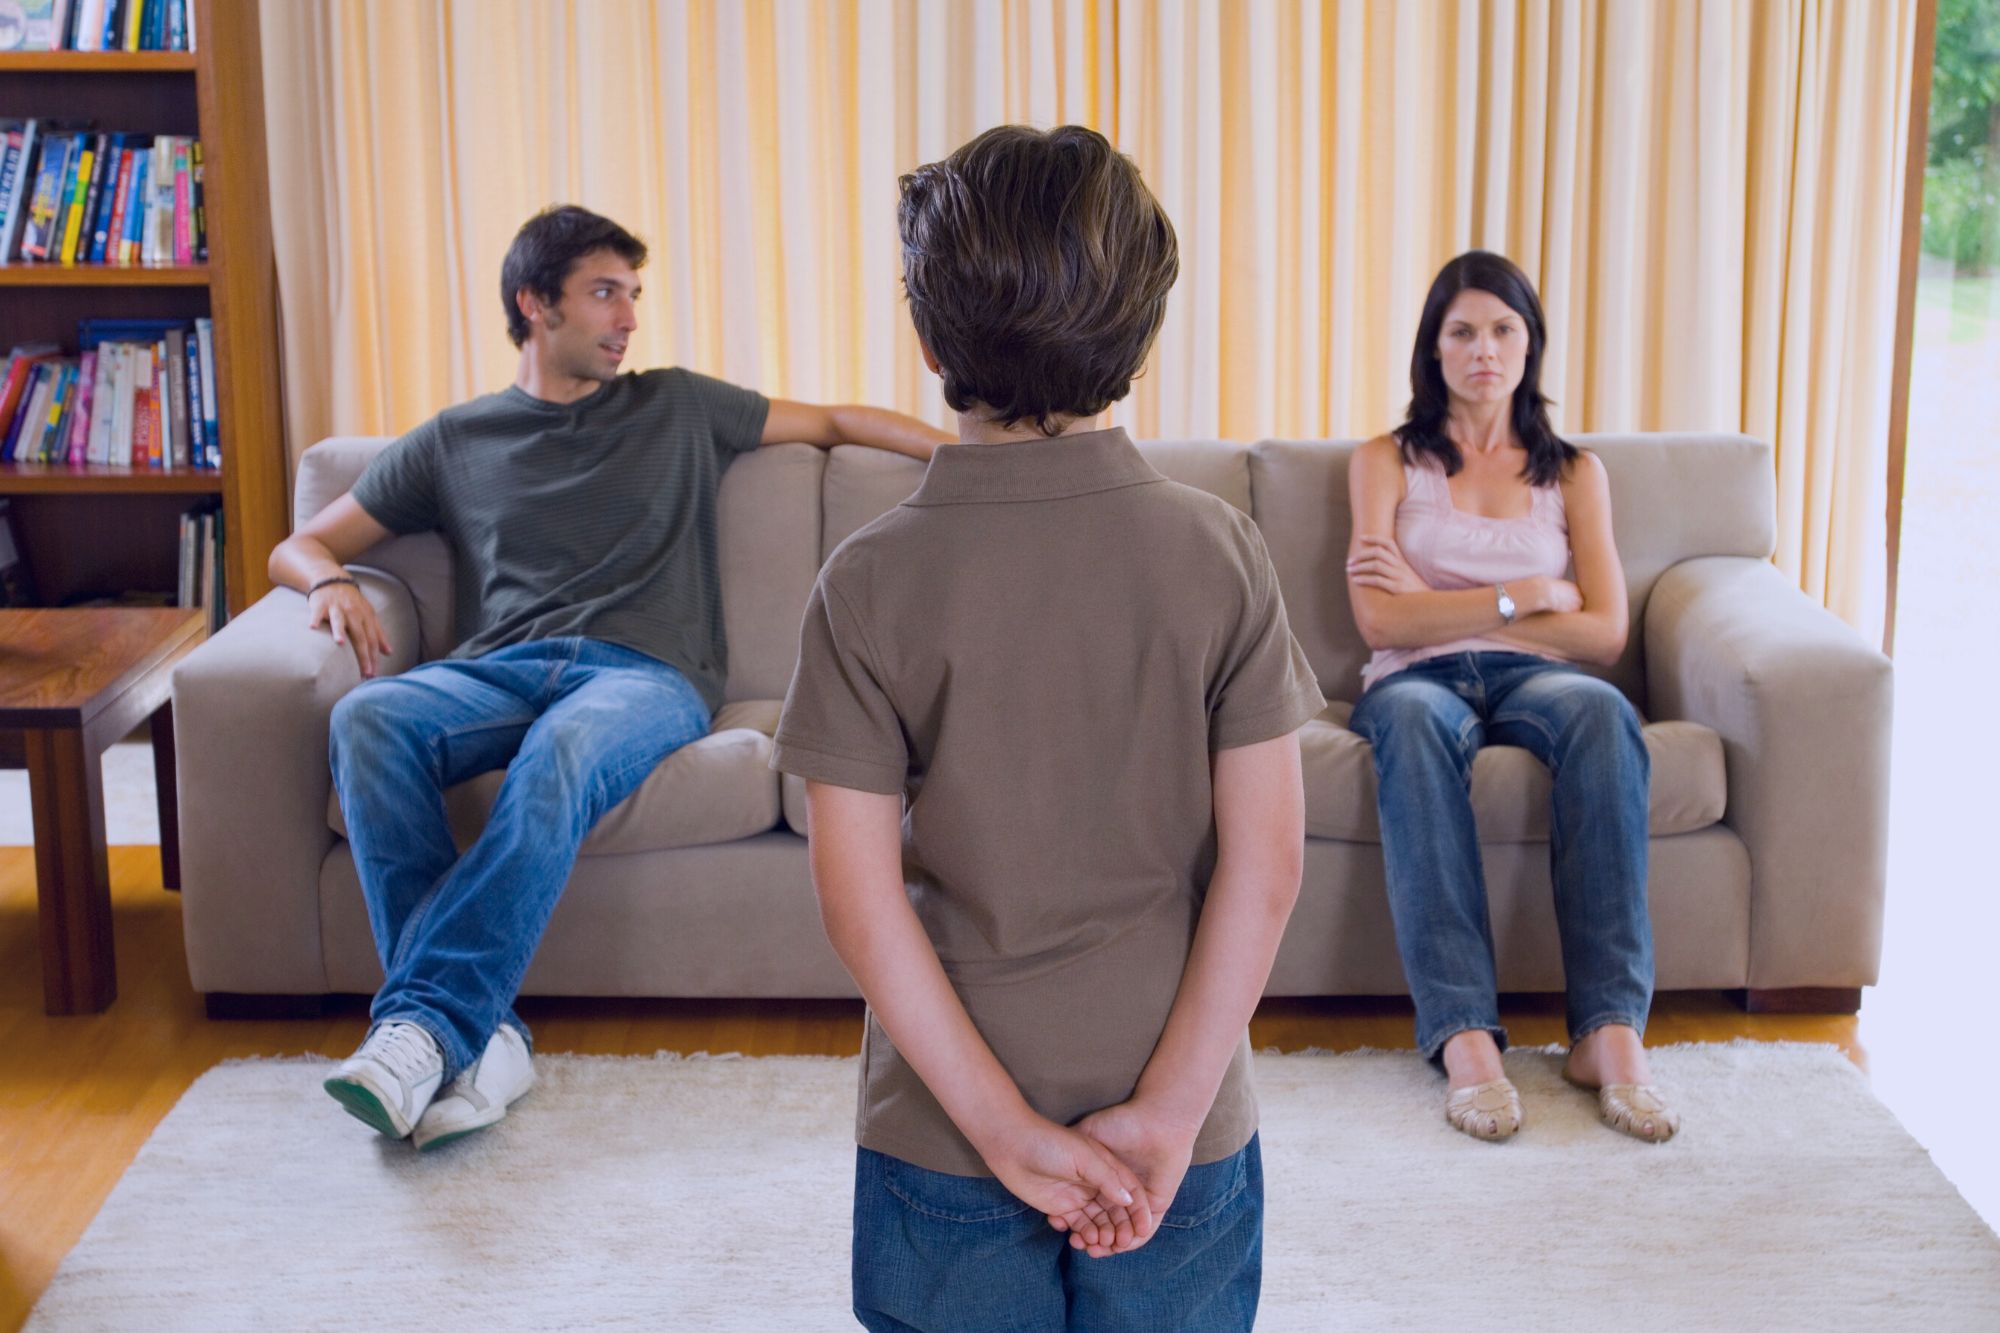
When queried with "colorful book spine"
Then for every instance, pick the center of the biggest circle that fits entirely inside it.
(17, 199)
(42, 204)
(97, 444)
(200, 203)
(76, 189)
(211, 406)
(105, 196)
(183, 205)
(24, 409)
(79, 427)
(121, 201)
(135, 208)
(197, 407)
(54, 438)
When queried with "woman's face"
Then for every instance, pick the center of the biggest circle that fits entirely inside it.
(1482, 348)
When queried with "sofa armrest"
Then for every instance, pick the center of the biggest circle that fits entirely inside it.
(1802, 703)
(250, 736)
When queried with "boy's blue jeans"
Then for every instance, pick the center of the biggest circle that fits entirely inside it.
(578, 724)
(1426, 722)
(942, 1252)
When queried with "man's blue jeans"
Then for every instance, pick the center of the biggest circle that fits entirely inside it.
(942, 1252)
(1426, 723)
(578, 724)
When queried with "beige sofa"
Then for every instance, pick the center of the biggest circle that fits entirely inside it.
(1768, 721)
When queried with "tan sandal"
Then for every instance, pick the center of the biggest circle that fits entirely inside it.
(1636, 1109)
(1489, 1111)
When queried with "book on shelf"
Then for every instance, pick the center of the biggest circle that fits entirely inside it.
(200, 567)
(15, 588)
(139, 395)
(72, 194)
(97, 25)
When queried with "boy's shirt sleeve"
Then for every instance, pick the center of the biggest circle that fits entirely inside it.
(838, 725)
(398, 488)
(1265, 688)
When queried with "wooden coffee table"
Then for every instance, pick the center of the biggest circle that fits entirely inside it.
(72, 682)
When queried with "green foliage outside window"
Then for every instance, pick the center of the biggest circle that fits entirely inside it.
(1962, 170)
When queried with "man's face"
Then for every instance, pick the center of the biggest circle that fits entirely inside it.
(585, 334)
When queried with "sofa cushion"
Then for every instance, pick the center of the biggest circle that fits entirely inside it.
(718, 789)
(1510, 788)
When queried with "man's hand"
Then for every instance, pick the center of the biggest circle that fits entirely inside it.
(1067, 1174)
(1149, 1144)
(341, 608)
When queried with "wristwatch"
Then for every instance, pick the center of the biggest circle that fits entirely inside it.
(1505, 602)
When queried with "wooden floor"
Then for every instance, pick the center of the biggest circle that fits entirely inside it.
(78, 1096)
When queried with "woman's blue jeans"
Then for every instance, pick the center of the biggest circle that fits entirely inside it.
(578, 724)
(1426, 723)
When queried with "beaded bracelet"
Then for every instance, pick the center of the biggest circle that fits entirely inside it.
(327, 583)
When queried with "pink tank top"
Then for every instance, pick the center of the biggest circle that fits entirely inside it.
(1452, 550)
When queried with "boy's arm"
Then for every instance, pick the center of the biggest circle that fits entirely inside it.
(1260, 854)
(826, 426)
(857, 868)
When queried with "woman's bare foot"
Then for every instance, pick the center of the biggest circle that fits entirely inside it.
(1611, 1054)
(1472, 1057)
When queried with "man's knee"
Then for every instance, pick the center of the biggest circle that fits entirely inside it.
(371, 719)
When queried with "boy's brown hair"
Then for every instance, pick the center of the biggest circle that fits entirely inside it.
(1037, 266)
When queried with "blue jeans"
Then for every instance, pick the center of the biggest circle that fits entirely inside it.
(578, 724)
(1426, 723)
(940, 1252)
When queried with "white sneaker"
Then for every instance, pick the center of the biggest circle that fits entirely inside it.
(481, 1095)
(388, 1082)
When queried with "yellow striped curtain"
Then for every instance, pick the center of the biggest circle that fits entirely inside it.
(1707, 193)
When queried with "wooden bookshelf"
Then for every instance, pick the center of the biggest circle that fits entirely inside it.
(99, 479)
(97, 62)
(104, 275)
(94, 530)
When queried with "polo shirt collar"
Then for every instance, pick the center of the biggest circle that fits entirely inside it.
(1098, 460)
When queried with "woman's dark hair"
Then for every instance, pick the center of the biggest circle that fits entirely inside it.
(547, 248)
(1037, 266)
(1430, 401)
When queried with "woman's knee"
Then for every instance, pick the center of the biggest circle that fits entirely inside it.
(1396, 716)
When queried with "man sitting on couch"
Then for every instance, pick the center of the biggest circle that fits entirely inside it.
(580, 503)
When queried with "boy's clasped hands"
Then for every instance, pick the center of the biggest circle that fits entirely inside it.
(1107, 1181)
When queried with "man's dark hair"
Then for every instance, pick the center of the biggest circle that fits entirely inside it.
(1430, 400)
(1037, 266)
(545, 250)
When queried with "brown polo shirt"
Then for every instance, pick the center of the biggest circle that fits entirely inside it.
(1040, 650)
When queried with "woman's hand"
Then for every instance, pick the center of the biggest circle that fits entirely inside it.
(1542, 593)
(1377, 562)
(341, 608)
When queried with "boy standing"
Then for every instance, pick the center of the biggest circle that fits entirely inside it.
(1079, 677)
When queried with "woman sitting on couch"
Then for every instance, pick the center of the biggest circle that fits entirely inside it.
(1467, 520)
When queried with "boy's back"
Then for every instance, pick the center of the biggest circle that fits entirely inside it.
(1043, 646)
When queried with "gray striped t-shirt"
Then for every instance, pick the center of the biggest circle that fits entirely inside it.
(593, 518)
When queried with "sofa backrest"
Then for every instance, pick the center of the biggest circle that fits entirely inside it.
(1673, 497)
(783, 510)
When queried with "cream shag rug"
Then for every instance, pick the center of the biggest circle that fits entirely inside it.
(714, 1194)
